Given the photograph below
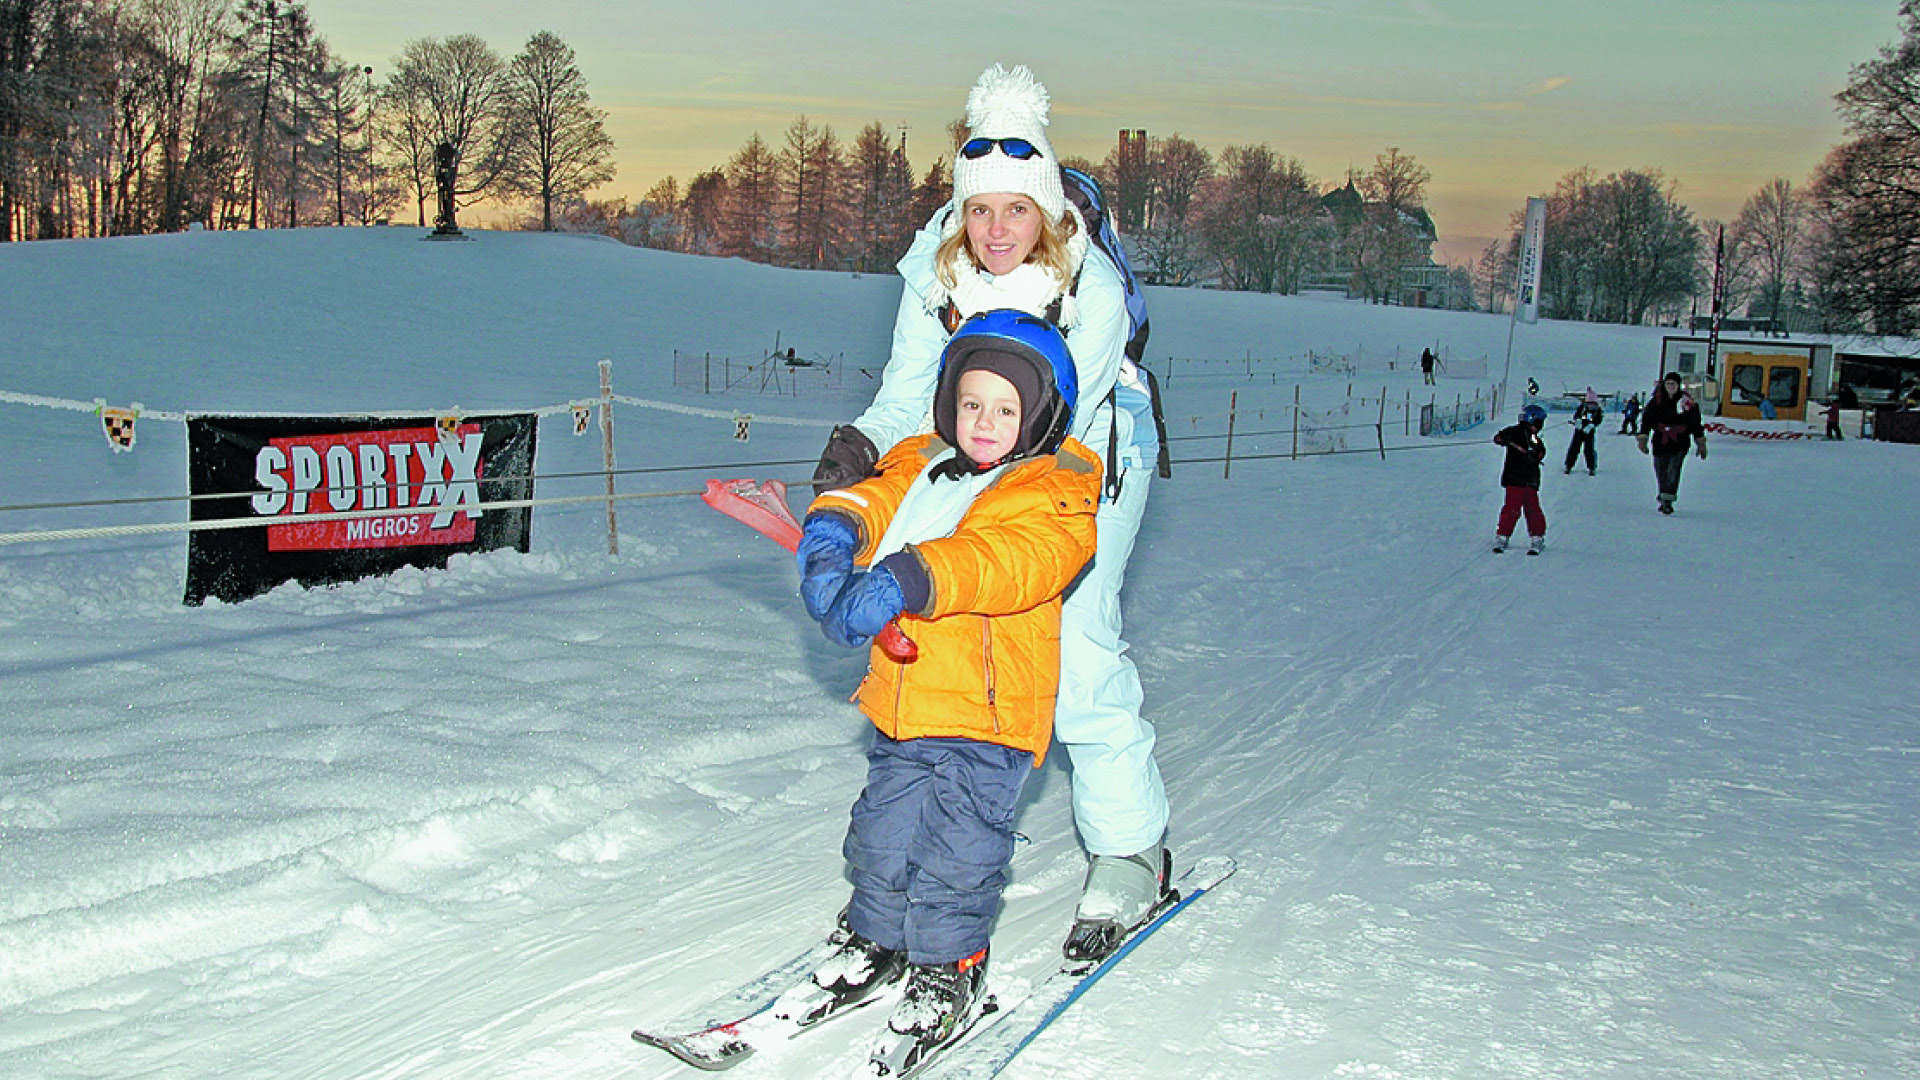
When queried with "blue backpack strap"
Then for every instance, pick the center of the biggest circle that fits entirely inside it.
(1085, 192)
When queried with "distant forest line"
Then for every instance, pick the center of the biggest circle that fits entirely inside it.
(122, 117)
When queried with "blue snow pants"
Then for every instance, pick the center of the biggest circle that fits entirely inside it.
(930, 842)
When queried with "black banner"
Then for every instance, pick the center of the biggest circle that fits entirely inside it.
(290, 469)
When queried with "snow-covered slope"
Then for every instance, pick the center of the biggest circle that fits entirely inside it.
(1641, 807)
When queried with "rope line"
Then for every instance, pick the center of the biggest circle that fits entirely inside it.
(305, 519)
(215, 496)
(717, 414)
(1283, 456)
(42, 401)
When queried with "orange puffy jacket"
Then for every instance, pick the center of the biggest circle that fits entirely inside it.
(989, 636)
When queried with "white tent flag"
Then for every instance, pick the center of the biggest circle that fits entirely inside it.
(1532, 241)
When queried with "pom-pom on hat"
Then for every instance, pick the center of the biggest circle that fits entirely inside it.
(1010, 105)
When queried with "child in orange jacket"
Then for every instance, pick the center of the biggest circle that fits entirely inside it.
(974, 533)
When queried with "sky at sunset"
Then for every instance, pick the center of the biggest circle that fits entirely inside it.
(1498, 98)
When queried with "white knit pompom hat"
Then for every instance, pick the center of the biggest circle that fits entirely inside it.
(1010, 104)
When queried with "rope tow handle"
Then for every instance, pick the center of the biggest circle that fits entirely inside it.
(762, 507)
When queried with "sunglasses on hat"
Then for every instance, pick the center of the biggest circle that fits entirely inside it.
(1014, 147)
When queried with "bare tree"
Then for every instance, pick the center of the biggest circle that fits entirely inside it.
(269, 43)
(1396, 181)
(342, 124)
(1617, 249)
(810, 171)
(49, 88)
(1263, 225)
(1493, 273)
(750, 227)
(881, 198)
(404, 131)
(934, 191)
(1392, 230)
(1867, 194)
(706, 211)
(1179, 166)
(453, 91)
(1570, 251)
(193, 138)
(563, 146)
(658, 220)
(1168, 251)
(1650, 249)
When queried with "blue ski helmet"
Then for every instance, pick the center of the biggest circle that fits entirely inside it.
(1533, 414)
(1028, 352)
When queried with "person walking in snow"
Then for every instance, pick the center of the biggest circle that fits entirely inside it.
(1670, 423)
(1010, 238)
(1521, 479)
(975, 531)
(1842, 401)
(1426, 366)
(1586, 423)
(1630, 415)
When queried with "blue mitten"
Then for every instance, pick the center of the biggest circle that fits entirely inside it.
(825, 556)
(868, 603)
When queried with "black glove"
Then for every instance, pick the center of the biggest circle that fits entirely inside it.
(849, 458)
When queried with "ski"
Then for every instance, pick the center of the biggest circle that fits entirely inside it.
(998, 1038)
(735, 1021)
(895, 1059)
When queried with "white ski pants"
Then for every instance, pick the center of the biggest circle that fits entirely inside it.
(1119, 801)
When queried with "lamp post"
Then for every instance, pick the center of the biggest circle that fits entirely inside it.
(366, 210)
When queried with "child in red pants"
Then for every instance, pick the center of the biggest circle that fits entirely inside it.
(1521, 478)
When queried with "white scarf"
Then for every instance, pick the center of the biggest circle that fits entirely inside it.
(1029, 287)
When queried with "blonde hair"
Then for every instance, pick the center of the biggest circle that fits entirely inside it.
(1049, 248)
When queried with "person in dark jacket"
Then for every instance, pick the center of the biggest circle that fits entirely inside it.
(1521, 477)
(1586, 424)
(1670, 423)
(1630, 416)
(1846, 399)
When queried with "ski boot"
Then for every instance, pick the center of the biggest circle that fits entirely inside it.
(1122, 893)
(1537, 544)
(939, 1005)
(1500, 542)
(851, 977)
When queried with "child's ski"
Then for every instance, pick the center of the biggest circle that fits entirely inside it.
(997, 1039)
(741, 1016)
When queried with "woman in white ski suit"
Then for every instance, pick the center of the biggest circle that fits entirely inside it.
(1119, 800)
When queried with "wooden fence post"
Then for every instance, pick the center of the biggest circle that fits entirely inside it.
(1295, 456)
(1380, 425)
(606, 446)
(1233, 408)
